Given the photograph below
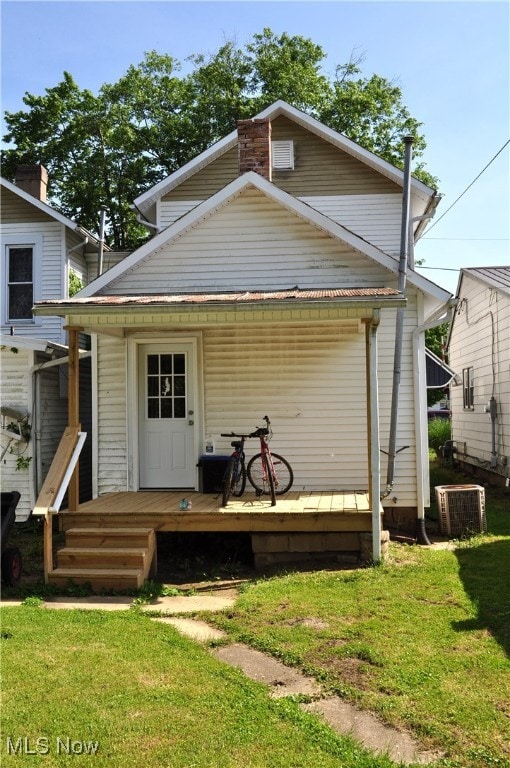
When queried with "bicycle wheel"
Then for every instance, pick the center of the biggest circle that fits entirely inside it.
(239, 479)
(227, 480)
(283, 474)
(234, 479)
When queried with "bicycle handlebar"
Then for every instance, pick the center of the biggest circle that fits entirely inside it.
(259, 432)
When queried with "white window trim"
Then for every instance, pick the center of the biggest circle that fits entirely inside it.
(15, 241)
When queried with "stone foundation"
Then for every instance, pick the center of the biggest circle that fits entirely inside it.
(348, 548)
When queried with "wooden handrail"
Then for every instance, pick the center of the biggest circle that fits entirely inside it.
(54, 487)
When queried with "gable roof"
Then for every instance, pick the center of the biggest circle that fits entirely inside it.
(49, 211)
(495, 277)
(253, 180)
(146, 200)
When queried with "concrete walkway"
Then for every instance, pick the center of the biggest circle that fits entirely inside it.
(281, 680)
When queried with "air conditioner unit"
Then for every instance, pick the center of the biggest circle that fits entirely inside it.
(461, 509)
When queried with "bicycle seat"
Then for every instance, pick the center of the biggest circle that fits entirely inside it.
(236, 443)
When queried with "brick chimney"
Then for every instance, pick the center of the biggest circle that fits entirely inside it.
(33, 179)
(254, 142)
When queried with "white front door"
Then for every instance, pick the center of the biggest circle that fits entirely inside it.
(166, 415)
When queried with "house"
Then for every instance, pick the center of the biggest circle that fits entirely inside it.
(270, 287)
(41, 252)
(479, 351)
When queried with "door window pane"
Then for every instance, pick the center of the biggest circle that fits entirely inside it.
(166, 386)
(166, 363)
(153, 364)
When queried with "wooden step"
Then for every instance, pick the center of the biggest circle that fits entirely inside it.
(102, 557)
(106, 558)
(108, 537)
(98, 578)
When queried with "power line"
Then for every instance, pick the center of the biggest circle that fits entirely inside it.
(470, 239)
(468, 187)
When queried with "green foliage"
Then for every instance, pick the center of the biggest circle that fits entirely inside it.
(22, 462)
(75, 283)
(435, 339)
(440, 430)
(107, 148)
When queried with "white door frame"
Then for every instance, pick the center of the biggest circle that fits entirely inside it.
(132, 402)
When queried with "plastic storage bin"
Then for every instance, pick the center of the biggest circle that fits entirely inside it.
(211, 471)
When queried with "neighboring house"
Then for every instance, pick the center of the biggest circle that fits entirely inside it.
(479, 352)
(271, 288)
(40, 250)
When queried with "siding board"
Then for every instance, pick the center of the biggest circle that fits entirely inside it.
(480, 339)
(238, 246)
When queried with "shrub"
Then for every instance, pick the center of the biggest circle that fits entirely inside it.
(440, 430)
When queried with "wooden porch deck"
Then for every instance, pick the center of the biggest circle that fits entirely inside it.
(310, 511)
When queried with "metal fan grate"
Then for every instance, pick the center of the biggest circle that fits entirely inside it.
(461, 509)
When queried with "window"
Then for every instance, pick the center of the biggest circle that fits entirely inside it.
(468, 389)
(21, 278)
(20, 282)
(166, 386)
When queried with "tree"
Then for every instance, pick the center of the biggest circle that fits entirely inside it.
(108, 148)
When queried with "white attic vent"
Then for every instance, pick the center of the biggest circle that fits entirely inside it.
(282, 153)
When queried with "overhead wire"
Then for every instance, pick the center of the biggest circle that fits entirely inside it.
(467, 188)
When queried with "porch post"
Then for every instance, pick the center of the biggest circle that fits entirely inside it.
(73, 417)
(373, 435)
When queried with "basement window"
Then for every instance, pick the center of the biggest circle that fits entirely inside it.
(282, 154)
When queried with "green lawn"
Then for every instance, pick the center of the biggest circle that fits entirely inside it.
(423, 640)
(146, 697)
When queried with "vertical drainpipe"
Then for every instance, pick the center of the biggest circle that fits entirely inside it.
(399, 324)
(101, 241)
(375, 452)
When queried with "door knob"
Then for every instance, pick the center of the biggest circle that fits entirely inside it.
(191, 422)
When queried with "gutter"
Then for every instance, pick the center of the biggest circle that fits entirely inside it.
(82, 309)
(141, 219)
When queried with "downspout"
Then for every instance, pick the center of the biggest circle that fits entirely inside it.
(399, 323)
(101, 240)
(142, 220)
(441, 315)
(375, 452)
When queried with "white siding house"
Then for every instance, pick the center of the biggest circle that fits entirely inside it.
(39, 249)
(479, 350)
(269, 288)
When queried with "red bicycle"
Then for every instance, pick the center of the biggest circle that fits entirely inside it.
(267, 472)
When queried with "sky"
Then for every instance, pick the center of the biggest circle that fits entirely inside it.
(450, 59)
